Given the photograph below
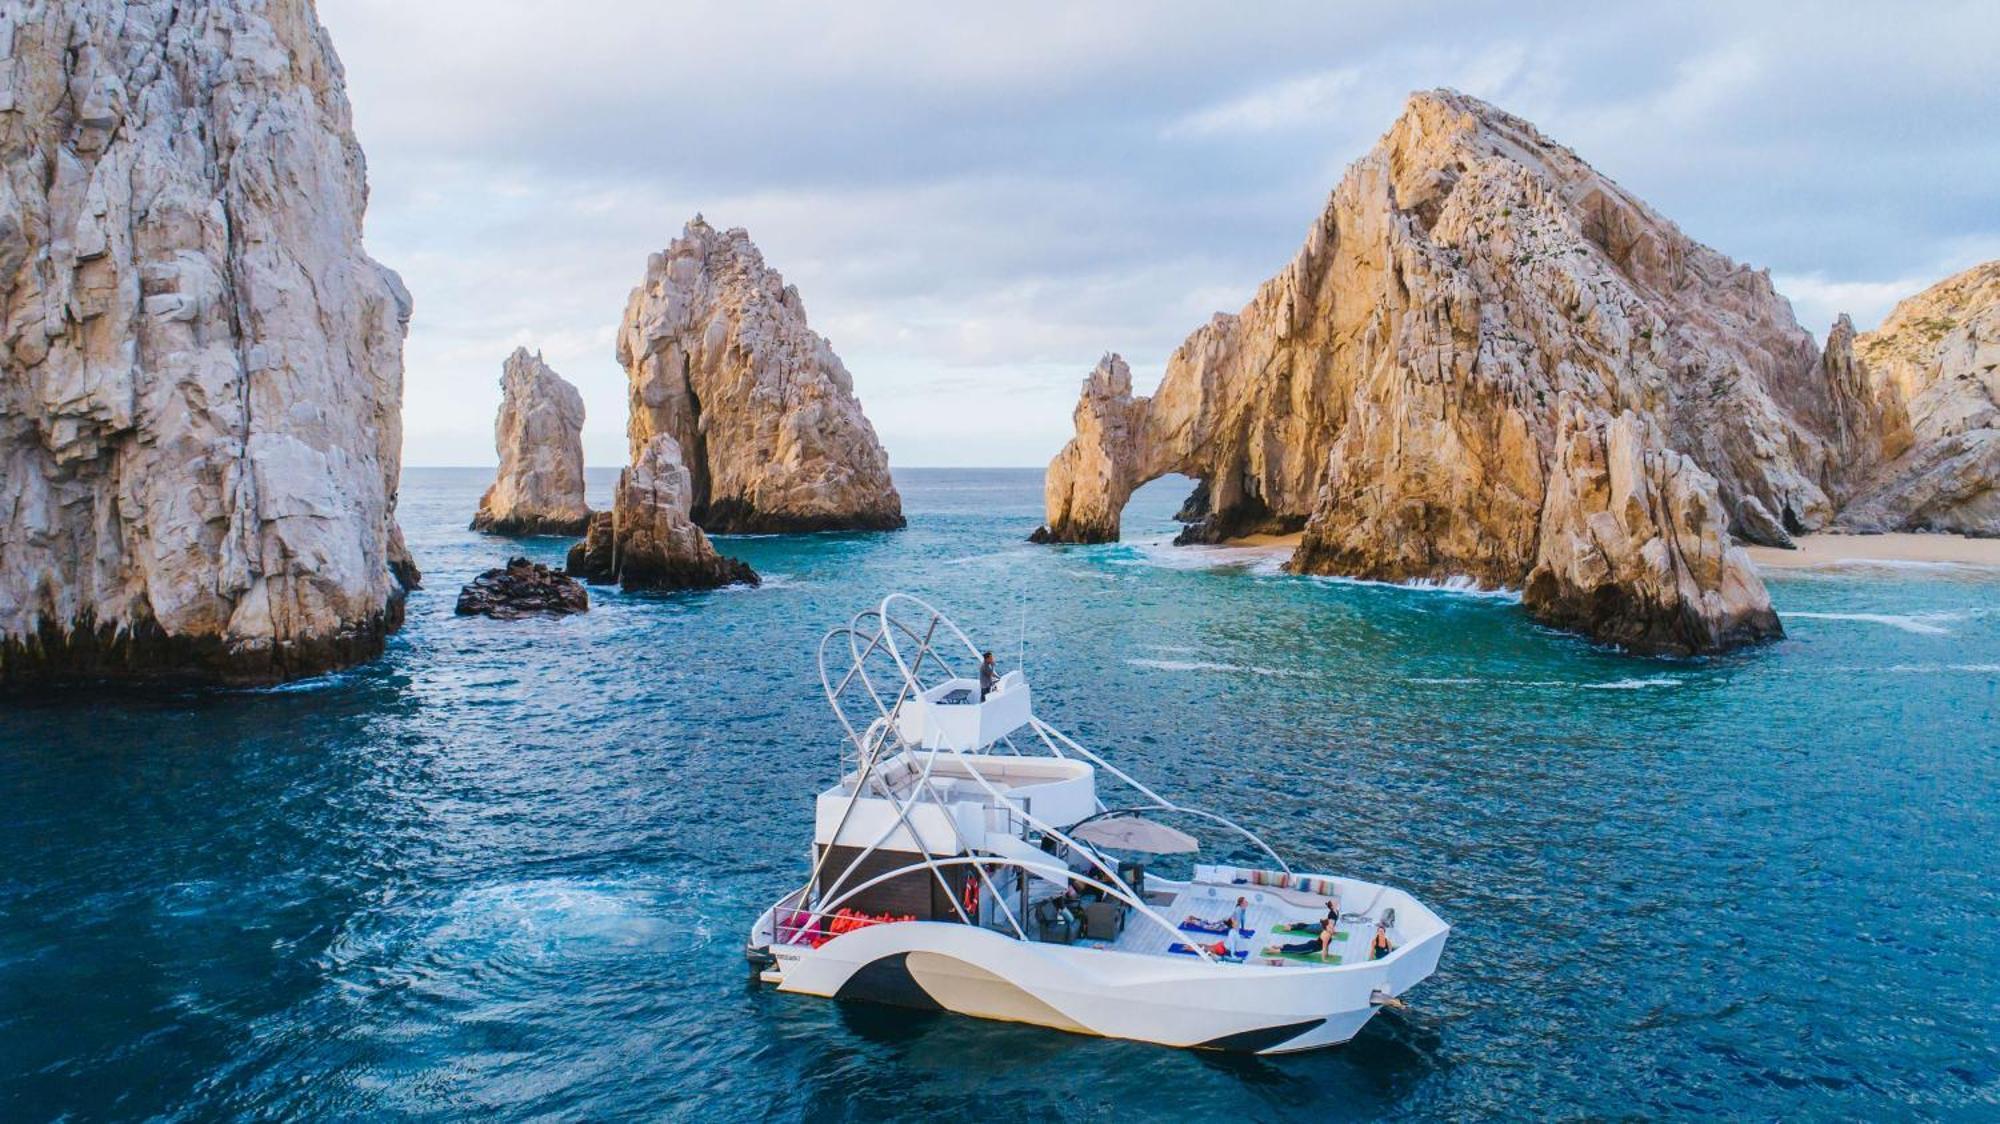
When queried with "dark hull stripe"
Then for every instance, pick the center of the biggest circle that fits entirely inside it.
(1261, 1039)
(888, 980)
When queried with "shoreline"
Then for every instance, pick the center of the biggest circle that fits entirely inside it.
(1825, 550)
(1814, 551)
(1290, 541)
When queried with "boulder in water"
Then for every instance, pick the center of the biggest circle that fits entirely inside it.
(522, 588)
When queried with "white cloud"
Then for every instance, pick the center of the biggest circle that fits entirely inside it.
(1289, 104)
(982, 202)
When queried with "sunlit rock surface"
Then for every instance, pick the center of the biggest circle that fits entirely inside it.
(720, 359)
(1939, 352)
(200, 413)
(1469, 320)
(647, 540)
(539, 436)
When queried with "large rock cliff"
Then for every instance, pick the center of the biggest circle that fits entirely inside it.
(1488, 360)
(1939, 352)
(200, 413)
(539, 435)
(720, 359)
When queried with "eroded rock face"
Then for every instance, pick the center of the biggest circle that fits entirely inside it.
(1939, 352)
(1630, 548)
(647, 540)
(1468, 318)
(721, 359)
(522, 588)
(200, 412)
(539, 436)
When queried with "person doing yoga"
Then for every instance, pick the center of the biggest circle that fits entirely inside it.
(1380, 946)
(1322, 944)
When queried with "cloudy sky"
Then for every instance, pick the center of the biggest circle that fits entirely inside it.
(977, 203)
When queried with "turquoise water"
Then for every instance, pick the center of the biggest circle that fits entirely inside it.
(507, 869)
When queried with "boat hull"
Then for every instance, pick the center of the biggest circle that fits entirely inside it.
(1168, 1000)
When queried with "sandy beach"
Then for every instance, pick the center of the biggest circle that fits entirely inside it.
(1813, 550)
(1290, 542)
(1837, 550)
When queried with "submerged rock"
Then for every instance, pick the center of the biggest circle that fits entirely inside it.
(1434, 389)
(522, 588)
(539, 436)
(647, 541)
(200, 368)
(1939, 352)
(720, 359)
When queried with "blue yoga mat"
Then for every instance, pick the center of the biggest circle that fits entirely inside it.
(1188, 950)
(1198, 927)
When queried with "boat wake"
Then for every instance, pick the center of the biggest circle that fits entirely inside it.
(1210, 665)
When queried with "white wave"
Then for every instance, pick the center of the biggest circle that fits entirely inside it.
(1210, 665)
(299, 686)
(1923, 624)
(1162, 553)
(767, 583)
(1933, 668)
(1631, 684)
(1457, 585)
(1564, 684)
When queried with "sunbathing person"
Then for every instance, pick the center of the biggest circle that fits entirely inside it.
(1237, 921)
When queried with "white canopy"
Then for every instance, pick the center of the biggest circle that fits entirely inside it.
(1132, 833)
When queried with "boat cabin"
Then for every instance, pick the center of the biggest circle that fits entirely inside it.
(946, 805)
(952, 715)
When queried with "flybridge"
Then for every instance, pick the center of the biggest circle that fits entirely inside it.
(966, 858)
(953, 714)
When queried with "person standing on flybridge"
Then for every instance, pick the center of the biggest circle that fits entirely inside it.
(1239, 922)
(988, 676)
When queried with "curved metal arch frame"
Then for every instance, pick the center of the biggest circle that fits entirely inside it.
(862, 642)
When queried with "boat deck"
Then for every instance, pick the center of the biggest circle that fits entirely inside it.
(1266, 911)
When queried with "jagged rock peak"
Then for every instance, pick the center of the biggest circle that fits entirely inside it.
(647, 540)
(539, 435)
(200, 367)
(1939, 352)
(1434, 386)
(720, 358)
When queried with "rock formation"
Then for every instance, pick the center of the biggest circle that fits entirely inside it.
(721, 360)
(200, 412)
(1490, 361)
(1939, 353)
(539, 436)
(647, 540)
(522, 588)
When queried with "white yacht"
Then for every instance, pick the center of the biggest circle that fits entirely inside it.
(972, 858)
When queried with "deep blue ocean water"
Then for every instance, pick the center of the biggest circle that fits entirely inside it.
(506, 870)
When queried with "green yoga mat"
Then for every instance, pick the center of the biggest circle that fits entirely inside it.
(1300, 928)
(1303, 957)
